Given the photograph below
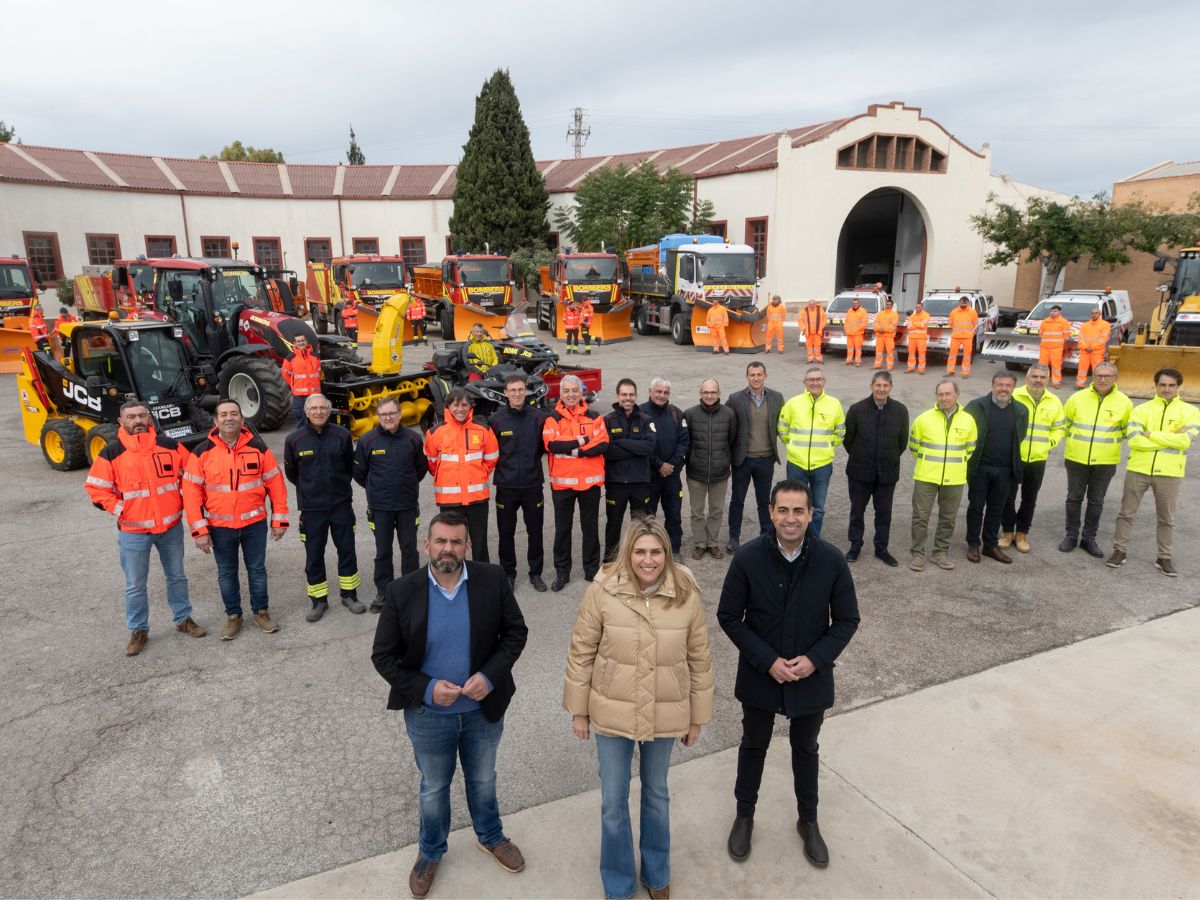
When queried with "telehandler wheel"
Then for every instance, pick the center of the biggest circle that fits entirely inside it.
(257, 385)
(62, 445)
(98, 438)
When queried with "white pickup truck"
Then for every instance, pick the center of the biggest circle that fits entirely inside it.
(1019, 349)
(870, 299)
(938, 304)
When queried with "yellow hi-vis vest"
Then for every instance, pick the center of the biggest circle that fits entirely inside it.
(1047, 424)
(1159, 436)
(811, 428)
(942, 445)
(1096, 426)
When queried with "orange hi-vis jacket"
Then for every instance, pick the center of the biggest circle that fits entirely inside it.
(1054, 332)
(228, 487)
(586, 310)
(963, 322)
(66, 318)
(461, 457)
(812, 319)
(415, 311)
(717, 316)
(887, 321)
(37, 324)
(572, 316)
(136, 478)
(776, 315)
(350, 314)
(917, 324)
(560, 433)
(303, 373)
(856, 320)
(1094, 335)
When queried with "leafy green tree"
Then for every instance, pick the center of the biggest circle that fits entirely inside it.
(354, 155)
(1056, 233)
(620, 207)
(235, 152)
(65, 289)
(8, 133)
(526, 262)
(500, 199)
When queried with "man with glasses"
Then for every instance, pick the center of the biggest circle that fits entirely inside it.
(811, 425)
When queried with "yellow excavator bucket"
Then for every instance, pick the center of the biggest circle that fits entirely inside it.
(1136, 365)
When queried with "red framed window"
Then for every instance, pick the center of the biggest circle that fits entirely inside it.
(367, 245)
(318, 250)
(268, 252)
(160, 245)
(720, 229)
(215, 246)
(103, 249)
(41, 249)
(756, 237)
(413, 250)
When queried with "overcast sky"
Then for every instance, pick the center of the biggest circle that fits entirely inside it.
(1070, 95)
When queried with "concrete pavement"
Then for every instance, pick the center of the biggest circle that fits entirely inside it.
(1075, 772)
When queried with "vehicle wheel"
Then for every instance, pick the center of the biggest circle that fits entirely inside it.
(257, 385)
(554, 319)
(339, 352)
(642, 322)
(319, 322)
(1015, 366)
(338, 326)
(681, 328)
(97, 439)
(62, 444)
(202, 419)
(447, 319)
(543, 317)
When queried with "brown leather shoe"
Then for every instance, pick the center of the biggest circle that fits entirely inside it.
(420, 879)
(997, 554)
(715, 552)
(233, 625)
(189, 627)
(137, 642)
(263, 620)
(661, 893)
(506, 854)
(698, 552)
(973, 554)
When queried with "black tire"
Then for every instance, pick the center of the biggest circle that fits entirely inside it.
(98, 438)
(681, 328)
(447, 322)
(543, 317)
(1015, 366)
(339, 327)
(202, 419)
(62, 443)
(256, 383)
(319, 322)
(428, 418)
(554, 319)
(642, 321)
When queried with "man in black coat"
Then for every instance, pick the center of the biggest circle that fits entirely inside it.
(626, 464)
(671, 440)
(447, 640)
(876, 435)
(788, 604)
(994, 466)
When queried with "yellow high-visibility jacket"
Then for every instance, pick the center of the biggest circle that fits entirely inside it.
(1160, 434)
(1047, 424)
(811, 428)
(942, 445)
(1096, 426)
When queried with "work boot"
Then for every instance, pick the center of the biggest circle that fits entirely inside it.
(1116, 560)
(715, 552)
(663, 893)
(1022, 541)
(137, 642)
(732, 545)
(506, 855)
(1165, 566)
(1092, 548)
(538, 584)
(698, 552)
(420, 879)
(1006, 539)
(972, 553)
(352, 603)
(1068, 543)
(942, 561)
(815, 850)
(739, 838)
(917, 564)
(560, 582)
(263, 620)
(886, 558)
(233, 625)
(189, 627)
(377, 604)
(852, 554)
(319, 608)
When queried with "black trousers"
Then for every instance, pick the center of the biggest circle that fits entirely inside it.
(418, 330)
(1030, 484)
(564, 525)
(316, 525)
(477, 516)
(617, 498)
(757, 725)
(760, 470)
(400, 525)
(1090, 482)
(531, 503)
(879, 495)
(987, 492)
(669, 492)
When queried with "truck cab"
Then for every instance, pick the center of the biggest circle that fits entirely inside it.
(578, 276)
(18, 287)
(1021, 347)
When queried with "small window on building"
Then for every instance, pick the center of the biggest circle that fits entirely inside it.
(318, 250)
(552, 242)
(449, 245)
(268, 252)
(413, 251)
(720, 229)
(41, 249)
(158, 245)
(367, 245)
(215, 247)
(756, 237)
(103, 249)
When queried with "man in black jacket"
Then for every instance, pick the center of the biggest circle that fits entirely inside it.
(756, 452)
(713, 429)
(876, 435)
(518, 480)
(788, 604)
(389, 462)
(626, 464)
(671, 440)
(994, 466)
(319, 460)
(446, 642)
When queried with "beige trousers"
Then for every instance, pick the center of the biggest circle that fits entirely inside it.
(706, 524)
(1166, 495)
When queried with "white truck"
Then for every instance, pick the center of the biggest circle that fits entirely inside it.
(1019, 349)
(870, 298)
(938, 304)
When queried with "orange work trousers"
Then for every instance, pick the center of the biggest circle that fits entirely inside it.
(885, 350)
(775, 332)
(812, 345)
(719, 342)
(1088, 360)
(916, 354)
(957, 344)
(854, 344)
(1052, 357)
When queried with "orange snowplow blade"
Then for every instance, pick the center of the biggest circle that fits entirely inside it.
(607, 328)
(368, 318)
(742, 337)
(465, 318)
(14, 337)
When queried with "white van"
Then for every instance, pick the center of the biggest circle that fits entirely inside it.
(835, 336)
(1019, 349)
(938, 304)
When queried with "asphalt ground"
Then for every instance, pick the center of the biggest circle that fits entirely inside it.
(219, 769)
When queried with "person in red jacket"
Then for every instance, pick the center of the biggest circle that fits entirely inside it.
(136, 478)
(415, 314)
(65, 317)
(38, 330)
(302, 372)
(572, 320)
(462, 454)
(350, 321)
(227, 482)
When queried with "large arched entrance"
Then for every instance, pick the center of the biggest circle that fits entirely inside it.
(884, 239)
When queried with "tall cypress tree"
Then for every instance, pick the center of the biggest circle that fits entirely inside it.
(499, 198)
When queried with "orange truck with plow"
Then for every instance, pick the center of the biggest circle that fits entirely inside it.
(18, 297)
(464, 290)
(593, 277)
(362, 281)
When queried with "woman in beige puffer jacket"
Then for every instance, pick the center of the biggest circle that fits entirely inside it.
(639, 675)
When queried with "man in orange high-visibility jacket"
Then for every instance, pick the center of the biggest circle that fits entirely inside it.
(65, 317)
(855, 326)
(717, 320)
(350, 321)
(812, 325)
(462, 454)
(1054, 331)
(586, 310)
(302, 372)
(776, 316)
(38, 330)
(1093, 342)
(415, 314)
(917, 325)
(572, 320)
(963, 320)
(887, 322)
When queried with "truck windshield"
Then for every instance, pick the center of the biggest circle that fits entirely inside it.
(484, 271)
(1072, 312)
(728, 268)
(1187, 277)
(157, 364)
(940, 306)
(377, 275)
(600, 270)
(15, 282)
(841, 304)
(238, 287)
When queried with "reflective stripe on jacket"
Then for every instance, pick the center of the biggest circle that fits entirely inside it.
(136, 478)
(856, 320)
(415, 310)
(776, 315)
(811, 428)
(350, 314)
(812, 319)
(1160, 434)
(1096, 426)
(887, 321)
(717, 316)
(461, 456)
(303, 373)
(572, 316)
(561, 434)
(228, 487)
(586, 311)
(917, 324)
(942, 445)
(1054, 332)
(1047, 424)
(963, 322)
(1094, 335)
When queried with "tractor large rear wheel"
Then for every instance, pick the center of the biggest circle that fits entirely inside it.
(257, 385)
(62, 444)
(99, 438)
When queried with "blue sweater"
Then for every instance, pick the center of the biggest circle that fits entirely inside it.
(448, 644)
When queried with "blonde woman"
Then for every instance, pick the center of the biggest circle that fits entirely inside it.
(639, 676)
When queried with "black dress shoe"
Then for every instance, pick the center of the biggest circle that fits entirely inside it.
(589, 576)
(815, 850)
(739, 838)
(538, 584)
(1067, 544)
(852, 554)
(886, 558)
(1092, 548)
(559, 583)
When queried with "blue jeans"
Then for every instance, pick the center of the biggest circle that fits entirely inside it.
(818, 482)
(760, 469)
(617, 870)
(438, 741)
(253, 541)
(135, 562)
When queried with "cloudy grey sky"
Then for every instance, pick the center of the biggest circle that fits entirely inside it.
(1070, 95)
